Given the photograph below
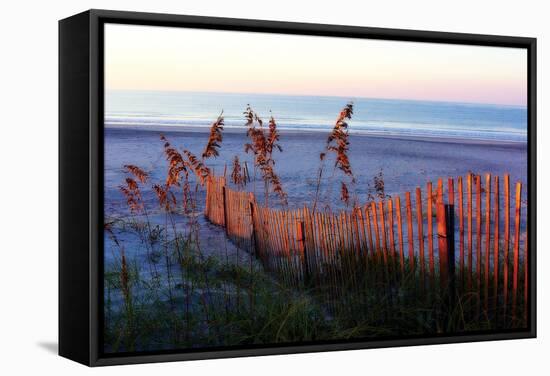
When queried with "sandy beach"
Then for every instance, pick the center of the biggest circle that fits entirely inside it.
(406, 162)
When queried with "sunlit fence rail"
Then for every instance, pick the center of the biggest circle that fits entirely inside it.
(463, 239)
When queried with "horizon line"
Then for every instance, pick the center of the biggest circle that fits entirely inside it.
(347, 99)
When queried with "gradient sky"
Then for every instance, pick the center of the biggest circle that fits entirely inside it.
(179, 59)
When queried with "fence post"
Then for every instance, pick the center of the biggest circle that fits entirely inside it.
(253, 221)
(442, 239)
(246, 174)
(302, 242)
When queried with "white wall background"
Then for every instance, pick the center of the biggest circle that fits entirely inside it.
(28, 185)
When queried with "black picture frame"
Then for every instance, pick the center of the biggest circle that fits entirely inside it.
(81, 184)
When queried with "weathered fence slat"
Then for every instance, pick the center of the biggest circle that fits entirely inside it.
(376, 231)
(420, 234)
(516, 248)
(496, 240)
(506, 266)
(369, 230)
(390, 227)
(461, 227)
(400, 233)
(410, 230)
(383, 232)
(429, 213)
(478, 230)
(487, 239)
(470, 233)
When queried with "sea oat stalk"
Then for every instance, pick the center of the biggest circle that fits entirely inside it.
(215, 139)
(337, 143)
(262, 146)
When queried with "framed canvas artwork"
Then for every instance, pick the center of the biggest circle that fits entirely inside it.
(240, 187)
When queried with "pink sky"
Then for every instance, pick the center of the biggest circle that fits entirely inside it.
(161, 58)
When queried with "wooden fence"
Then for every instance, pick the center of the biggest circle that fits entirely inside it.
(466, 237)
(215, 199)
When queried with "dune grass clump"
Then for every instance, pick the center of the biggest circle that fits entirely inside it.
(338, 140)
(215, 139)
(131, 190)
(262, 146)
(237, 176)
(337, 143)
(377, 190)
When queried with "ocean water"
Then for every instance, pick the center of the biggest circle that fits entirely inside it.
(151, 109)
